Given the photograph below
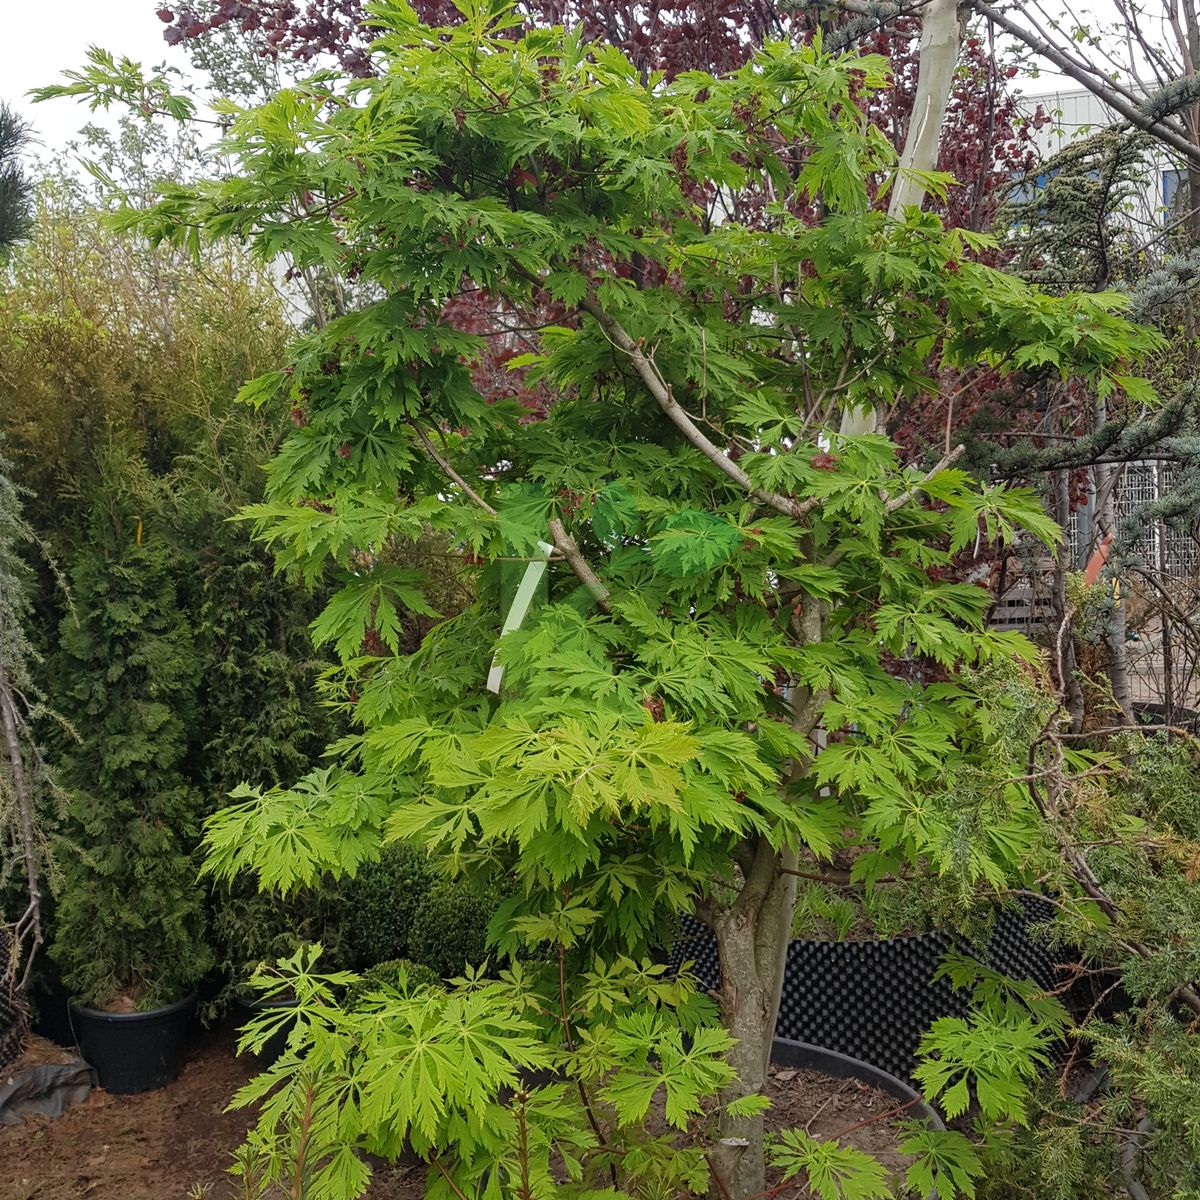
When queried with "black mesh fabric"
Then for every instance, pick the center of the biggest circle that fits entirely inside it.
(13, 1025)
(874, 1000)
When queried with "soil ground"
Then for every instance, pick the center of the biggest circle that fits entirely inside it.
(172, 1144)
(175, 1143)
(855, 1114)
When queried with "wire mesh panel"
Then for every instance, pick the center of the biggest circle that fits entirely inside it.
(1159, 583)
(13, 1023)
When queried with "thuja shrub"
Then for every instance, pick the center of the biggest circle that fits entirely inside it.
(122, 364)
(249, 928)
(129, 925)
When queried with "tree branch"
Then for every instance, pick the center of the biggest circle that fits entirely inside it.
(661, 391)
(1118, 103)
(946, 461)
(564, 543)
(444, 463)
(569, 549)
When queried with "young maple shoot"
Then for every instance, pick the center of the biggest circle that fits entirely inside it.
(746, 655)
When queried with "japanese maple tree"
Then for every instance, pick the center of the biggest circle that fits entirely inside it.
(985, 140)
(743, 657)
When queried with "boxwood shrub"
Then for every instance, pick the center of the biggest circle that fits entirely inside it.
(449, 930)
(400, 973)
(398, 908)
(381, 902)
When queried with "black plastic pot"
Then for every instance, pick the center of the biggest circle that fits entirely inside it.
(787, 1053)
(808, 1057)
(138, 1051)
(276, 1044)
(52, 1009)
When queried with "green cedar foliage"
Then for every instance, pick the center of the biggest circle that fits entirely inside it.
(130, 918)
(249, 927)
(259, 719)
(122, 366)
(732, 577)
(16, 201)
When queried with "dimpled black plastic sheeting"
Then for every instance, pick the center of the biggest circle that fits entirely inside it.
(874, 1000)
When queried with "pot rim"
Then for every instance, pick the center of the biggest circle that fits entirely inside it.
(98, 1014)
(255, 1002)
(806, 1055)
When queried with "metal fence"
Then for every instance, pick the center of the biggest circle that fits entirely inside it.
(1163, 642)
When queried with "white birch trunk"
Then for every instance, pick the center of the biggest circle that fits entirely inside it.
(941, 34)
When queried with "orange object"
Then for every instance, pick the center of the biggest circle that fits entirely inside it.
(1096, 563)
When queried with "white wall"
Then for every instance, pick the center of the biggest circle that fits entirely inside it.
(1076, 113)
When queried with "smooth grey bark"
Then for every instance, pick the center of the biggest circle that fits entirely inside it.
(941, 35)
(752, 938)
(1116, 651)
(1067, 667)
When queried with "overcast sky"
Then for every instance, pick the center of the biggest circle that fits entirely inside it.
(39, 39)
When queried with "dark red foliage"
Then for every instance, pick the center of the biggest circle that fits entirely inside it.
(284, 28)
(984, 145)
(669, 35)
(985, 139)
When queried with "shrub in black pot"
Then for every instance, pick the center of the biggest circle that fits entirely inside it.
(129, 937)
(251, 929)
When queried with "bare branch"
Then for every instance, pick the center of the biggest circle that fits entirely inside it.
(444, 463)
(564, 543)
(661, 391)
(1101, 88)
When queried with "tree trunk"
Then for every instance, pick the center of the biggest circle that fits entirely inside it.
(1190, 53)
(940, 38)
(752, 938)
(1116, 650)
(1068, 682)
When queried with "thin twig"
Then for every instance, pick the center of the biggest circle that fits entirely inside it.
(563, 541)
(444, 463)
(891, 1112)
(565, 1011)
(437, 1162)
(945, 462)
